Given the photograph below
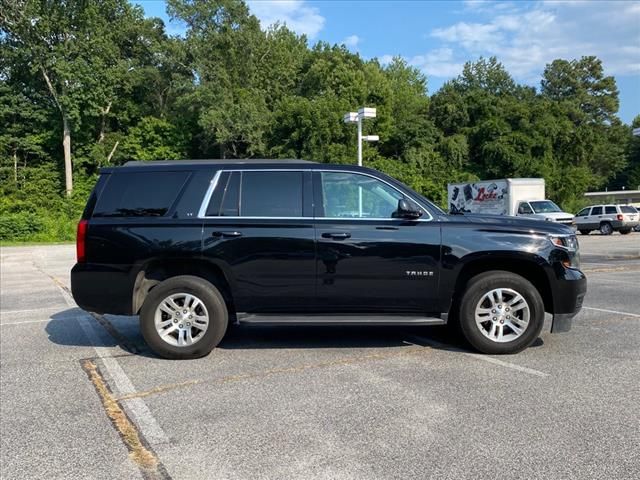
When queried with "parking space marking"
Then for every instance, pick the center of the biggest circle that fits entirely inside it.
(600, 279)
(355, 360)
(477, 356)
(139, 410)
(145, 458)
(617, 312)
(61, 319)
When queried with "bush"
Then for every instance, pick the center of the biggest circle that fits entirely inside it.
(20, 226)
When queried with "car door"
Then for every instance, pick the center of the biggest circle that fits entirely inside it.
(581, 218)
(367, 260)
(258, 227)
(595, 217)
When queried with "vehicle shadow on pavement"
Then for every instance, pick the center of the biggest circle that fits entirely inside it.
(124, 332)
(64, 329)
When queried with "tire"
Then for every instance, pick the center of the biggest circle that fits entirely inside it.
(606, 228)
(200, 299)
(511, 286)
(625, 231)
(585, 232)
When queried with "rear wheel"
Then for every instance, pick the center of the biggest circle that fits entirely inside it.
(183, 317)
(585, 232)
(501, 312)
(606, 228)
(625, 231)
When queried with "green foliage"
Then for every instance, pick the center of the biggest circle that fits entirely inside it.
(129, 91)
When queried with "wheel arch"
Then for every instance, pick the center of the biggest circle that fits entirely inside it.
(526, 267)
(157, 270)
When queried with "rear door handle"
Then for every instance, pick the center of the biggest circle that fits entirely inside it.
(226, 234)
(336, 235)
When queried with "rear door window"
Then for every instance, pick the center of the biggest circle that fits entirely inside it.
(271, 194)
(596, 211)
(610, 209)
(140, 194)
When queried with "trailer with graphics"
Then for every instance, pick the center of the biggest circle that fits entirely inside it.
(523, 197)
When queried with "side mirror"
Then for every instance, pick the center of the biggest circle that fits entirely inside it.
(406, 211)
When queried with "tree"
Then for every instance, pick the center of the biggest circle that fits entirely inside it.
(75, 51)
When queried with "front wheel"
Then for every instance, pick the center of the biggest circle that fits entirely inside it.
(501, 312)
(183, 317)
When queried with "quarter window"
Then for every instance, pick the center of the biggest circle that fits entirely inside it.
(351, 195)
(140, 194)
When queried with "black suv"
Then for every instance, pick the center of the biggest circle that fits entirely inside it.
(192, 246)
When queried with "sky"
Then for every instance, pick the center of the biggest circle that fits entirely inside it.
(438, 37)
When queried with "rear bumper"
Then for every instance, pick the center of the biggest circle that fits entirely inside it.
(102, 288)
(568, 295)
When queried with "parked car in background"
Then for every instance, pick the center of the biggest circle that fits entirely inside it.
(607, 219)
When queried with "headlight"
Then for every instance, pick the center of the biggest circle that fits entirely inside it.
(569, 242)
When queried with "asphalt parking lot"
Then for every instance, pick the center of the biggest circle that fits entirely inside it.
(82, 397)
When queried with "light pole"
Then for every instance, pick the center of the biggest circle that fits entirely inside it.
(358, 117)
(353, 117)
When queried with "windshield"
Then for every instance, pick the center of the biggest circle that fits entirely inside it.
(544, 206)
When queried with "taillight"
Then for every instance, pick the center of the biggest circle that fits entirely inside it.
(619, 217)
(81, 237)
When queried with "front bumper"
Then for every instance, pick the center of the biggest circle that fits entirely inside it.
(568, 293)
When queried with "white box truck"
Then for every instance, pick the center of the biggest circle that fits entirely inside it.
(523, 197)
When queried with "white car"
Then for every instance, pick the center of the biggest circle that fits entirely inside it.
(607, 219)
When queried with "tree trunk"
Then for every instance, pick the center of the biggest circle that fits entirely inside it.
(66, 135)
(66, 146)
(15, 166)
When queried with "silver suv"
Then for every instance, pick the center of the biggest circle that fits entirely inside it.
(607, 219)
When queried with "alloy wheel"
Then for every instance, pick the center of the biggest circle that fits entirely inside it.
(502, 315)
(181, 319)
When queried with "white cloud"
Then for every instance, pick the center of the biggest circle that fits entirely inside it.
(352, 41)
(438, 62)
(525, 37)
(385, 59)
(295, 14)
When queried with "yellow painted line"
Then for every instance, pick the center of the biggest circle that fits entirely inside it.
(144, 458)
(276, 371)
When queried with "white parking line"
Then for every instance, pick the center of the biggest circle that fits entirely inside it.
(44, 320)
(484, 358)
(605, 280)
(138, 410)
(626, 314)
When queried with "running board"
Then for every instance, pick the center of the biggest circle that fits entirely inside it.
(343, 319)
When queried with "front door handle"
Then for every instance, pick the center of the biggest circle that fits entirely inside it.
(336, 235)
(226, 234)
